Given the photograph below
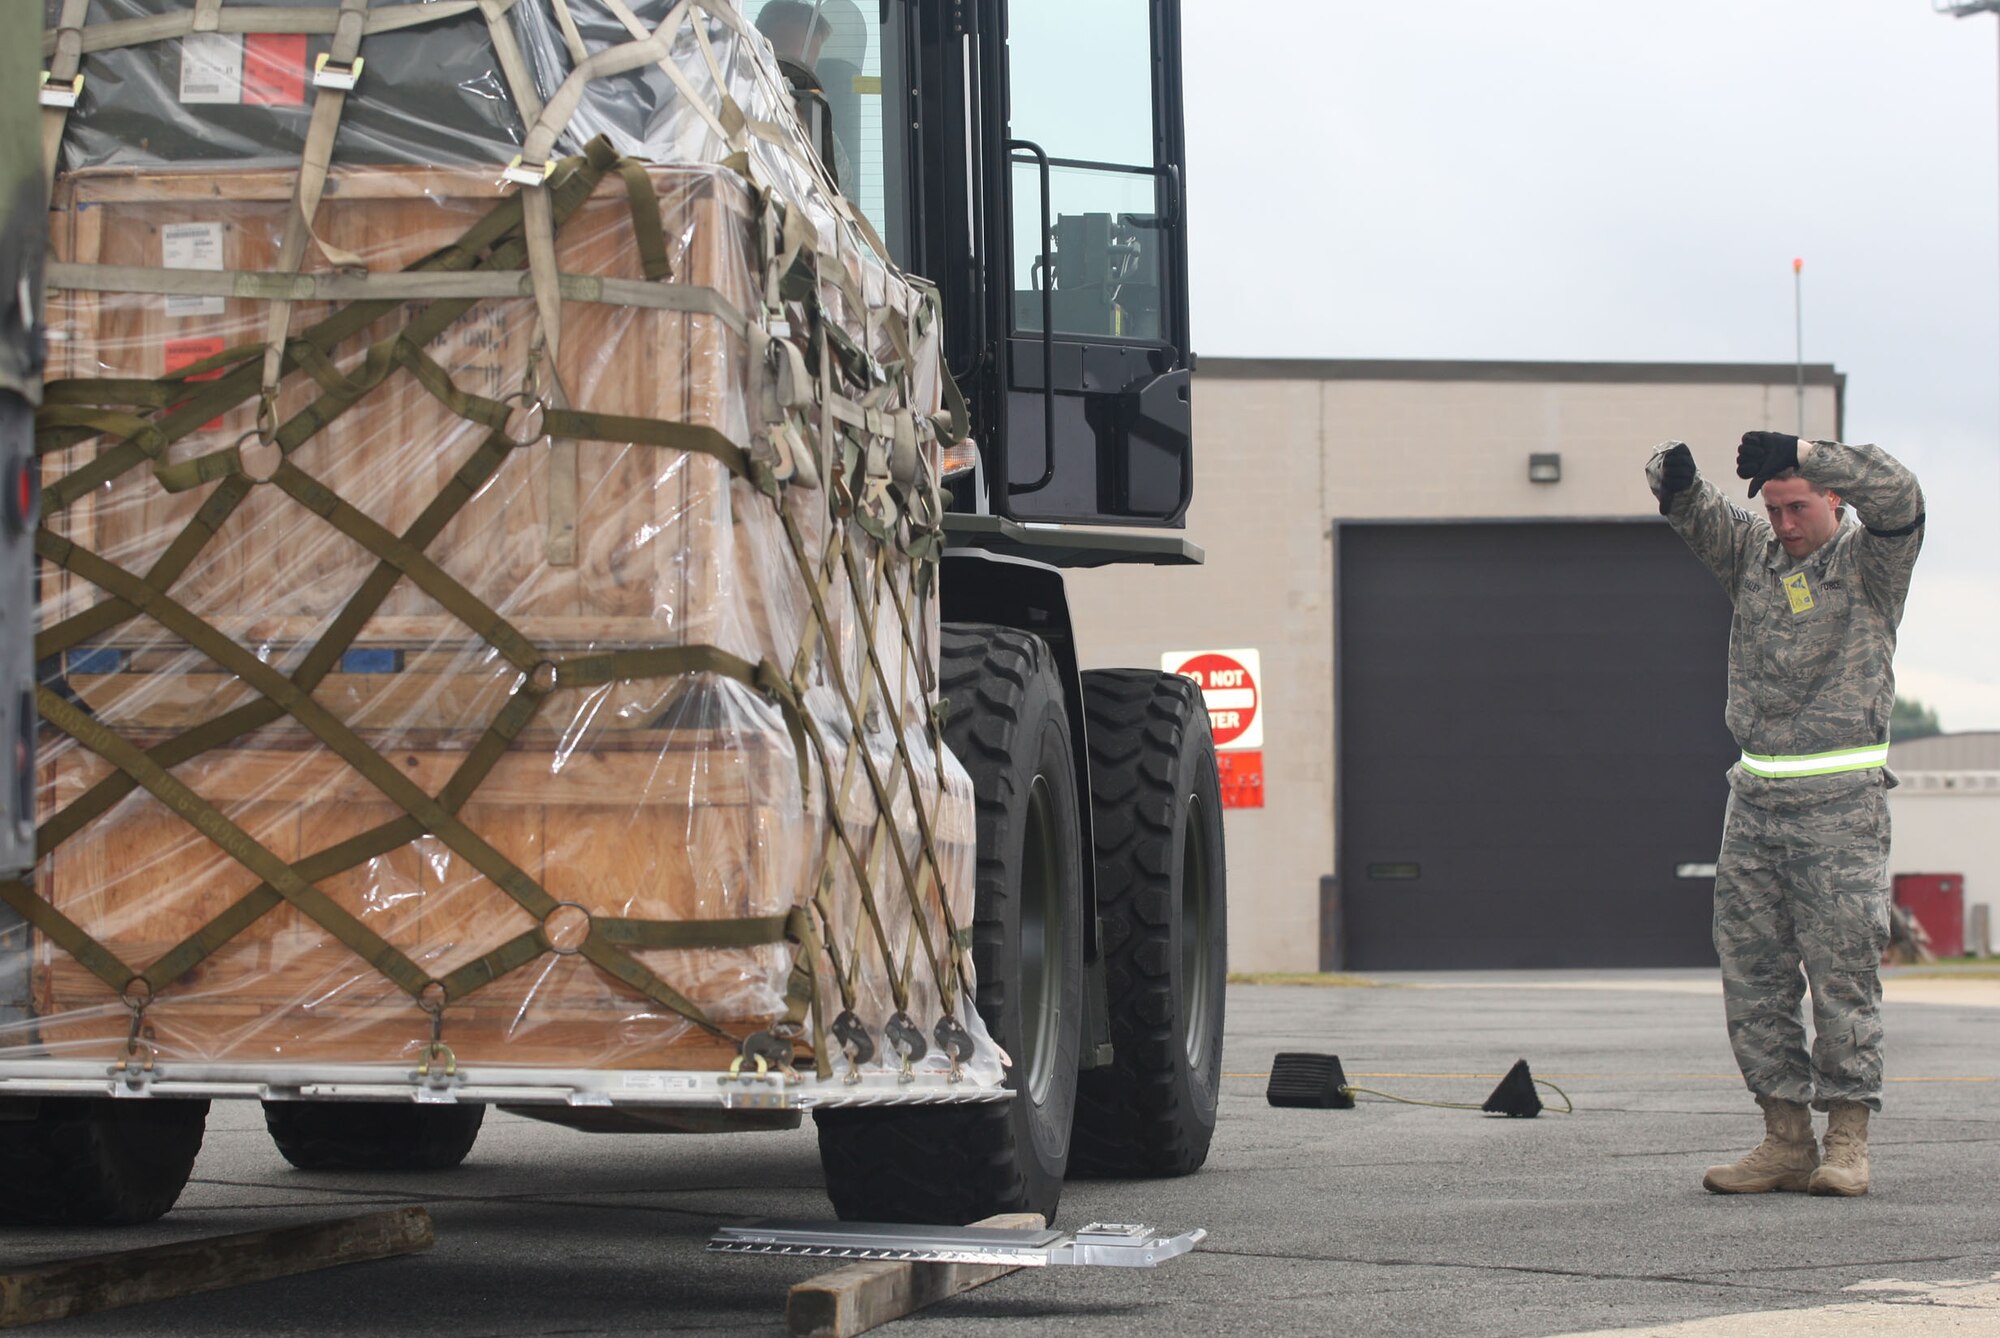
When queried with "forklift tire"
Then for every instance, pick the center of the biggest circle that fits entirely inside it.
(1156, 809)
(951, 1165)
(97, 1162)
(372, 1135)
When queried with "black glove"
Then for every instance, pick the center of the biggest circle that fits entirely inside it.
(1765, 455)
(1676, 475)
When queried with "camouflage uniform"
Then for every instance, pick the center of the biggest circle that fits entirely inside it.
(1803, 873)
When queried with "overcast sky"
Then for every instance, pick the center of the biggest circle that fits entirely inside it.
(1551, 179)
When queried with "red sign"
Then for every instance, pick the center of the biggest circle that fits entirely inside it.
(1230, 688)
(274, 69)
(1242, 776)
(186, 353)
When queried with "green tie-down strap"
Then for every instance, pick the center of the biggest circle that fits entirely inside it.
(67, 935)
(492, 243)
(238, 844)
(582, 425)
(649, 233)
(351, 853)
(319, 661)
(818, 585)
(429, 815)
(802, 990)
(496, 242)
(606, 946)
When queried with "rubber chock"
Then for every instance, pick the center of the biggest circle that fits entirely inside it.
(1313, 1081)
(1516, 1094)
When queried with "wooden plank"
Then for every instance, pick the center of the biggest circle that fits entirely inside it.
(160, 1272)
(861, 1297)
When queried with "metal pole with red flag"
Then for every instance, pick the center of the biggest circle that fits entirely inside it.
(1799, 336)
(1963, 9)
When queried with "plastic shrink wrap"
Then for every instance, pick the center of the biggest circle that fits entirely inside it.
(541, 662)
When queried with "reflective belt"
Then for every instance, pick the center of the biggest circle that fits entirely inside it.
(1816, 764)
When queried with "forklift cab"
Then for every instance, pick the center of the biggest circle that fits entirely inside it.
(1026, 156)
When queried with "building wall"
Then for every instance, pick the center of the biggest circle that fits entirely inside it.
(1974, 750)
(1285, 451)
(1268, 584)
(1943, 822)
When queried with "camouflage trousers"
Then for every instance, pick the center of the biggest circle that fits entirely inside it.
(1806, 888)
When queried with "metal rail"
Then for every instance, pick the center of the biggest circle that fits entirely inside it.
(167, 1078)
(1104, 1244)
(1047, 264)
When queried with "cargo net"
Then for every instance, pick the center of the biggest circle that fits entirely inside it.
(488, 602)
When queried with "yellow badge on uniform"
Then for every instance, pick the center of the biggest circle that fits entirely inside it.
(1798, 592)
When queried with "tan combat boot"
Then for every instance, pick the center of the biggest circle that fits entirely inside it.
(1784, 1160)
(1845, 1170)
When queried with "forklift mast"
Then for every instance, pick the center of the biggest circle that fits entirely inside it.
(23, 238)
(1026, 156)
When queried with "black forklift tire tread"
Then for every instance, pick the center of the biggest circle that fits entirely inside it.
(373, 1135)
(950, 1166)
(1137, 1116)
(939, 1166)
(98, 1162)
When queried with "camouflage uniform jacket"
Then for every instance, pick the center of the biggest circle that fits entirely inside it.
(1812, 640)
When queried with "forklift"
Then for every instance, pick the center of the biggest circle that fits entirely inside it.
(1025, 156)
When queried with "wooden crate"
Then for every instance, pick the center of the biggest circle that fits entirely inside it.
(652, 552)
(650, 825)
(603, 801)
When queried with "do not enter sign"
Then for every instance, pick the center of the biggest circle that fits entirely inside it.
(1228, 680)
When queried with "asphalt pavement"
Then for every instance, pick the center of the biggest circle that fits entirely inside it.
(1386, 1219)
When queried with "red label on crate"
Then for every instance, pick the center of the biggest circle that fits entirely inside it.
(186, 353)
(274, 69)
(1242, 775)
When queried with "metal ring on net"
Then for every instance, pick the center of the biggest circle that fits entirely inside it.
(532, 406)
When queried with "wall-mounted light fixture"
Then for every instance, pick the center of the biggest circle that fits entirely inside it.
(1545, 468)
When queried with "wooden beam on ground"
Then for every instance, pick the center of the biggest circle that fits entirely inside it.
(158, 1272)
(860, 1297)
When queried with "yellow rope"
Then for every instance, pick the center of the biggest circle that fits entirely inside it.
(1568, 1106)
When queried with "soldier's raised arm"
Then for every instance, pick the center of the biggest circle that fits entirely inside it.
(1885, 496)
(1722, 536)
(1888, 502)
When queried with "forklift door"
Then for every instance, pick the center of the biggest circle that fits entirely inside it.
(1096, 414)
(1026, 155)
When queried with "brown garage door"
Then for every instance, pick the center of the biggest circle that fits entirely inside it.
(1531, 745)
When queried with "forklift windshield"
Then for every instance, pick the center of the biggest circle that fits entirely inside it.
(1081, 90)
(1025, 155)
(846, 63)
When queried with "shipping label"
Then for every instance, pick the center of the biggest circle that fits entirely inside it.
(211, 68)
(192, 246)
